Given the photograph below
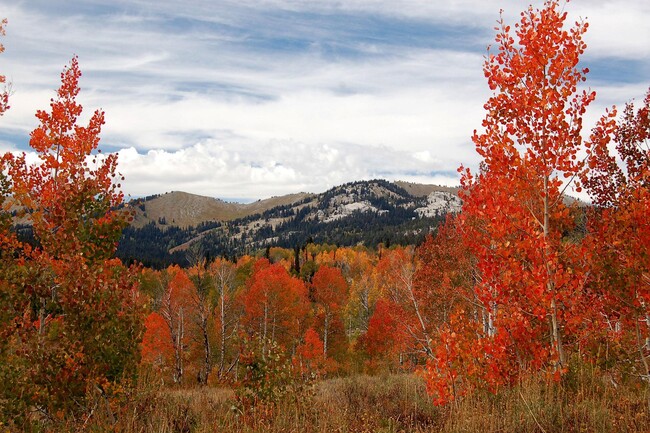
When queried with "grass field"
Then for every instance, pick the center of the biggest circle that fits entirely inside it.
(583, 402)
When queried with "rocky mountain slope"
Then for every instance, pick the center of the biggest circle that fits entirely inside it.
(365, 212)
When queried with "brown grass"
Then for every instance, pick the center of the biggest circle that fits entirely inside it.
(423, 190)
(583, 402)
(184, 209)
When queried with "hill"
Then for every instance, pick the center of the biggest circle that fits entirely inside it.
(357, 213)
(183, 209)
(423, 190)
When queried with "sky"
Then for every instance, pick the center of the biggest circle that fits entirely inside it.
(244, 100)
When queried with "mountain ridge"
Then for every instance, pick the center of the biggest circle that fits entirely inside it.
(184, 209)
(356, 213)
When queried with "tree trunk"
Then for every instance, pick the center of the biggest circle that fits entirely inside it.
(222, 316)
(178, 349)
(325, 332)
(556, 336)
(207, 366)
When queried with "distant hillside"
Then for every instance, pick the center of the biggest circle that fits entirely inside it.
(186, 210)
(423, 190)
(366, 212)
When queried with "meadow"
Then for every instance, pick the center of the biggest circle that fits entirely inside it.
(585, 401)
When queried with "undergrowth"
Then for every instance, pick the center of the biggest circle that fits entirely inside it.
(585, 401)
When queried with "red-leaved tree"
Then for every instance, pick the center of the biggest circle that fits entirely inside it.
(275, 307)
(330, 294)
(530, 275)
(309, 360)
(77, 319)
(619, 236)
(157, 348)
(382, 343)
(177, 310)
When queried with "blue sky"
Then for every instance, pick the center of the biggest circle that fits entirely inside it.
(250, 99)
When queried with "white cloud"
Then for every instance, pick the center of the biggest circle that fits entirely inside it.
(244, 171)
(616, 28)
(257, 98)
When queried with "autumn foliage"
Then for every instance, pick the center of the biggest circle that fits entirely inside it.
(619, 235)
(157, 344)
(71, 313)
(330, 292)
(310, 359)
(542, 292)
(381, 342)
(523, 283)
(275, 304)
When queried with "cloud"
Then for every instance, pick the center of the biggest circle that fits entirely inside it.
(617, 29)
(255, 98)
(243, 171)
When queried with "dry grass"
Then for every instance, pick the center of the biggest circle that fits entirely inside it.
(423, 190)
(396, 403)
(184, 209)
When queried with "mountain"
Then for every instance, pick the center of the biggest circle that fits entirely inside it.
(365, 212)
(423, 190)
(185, 210)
